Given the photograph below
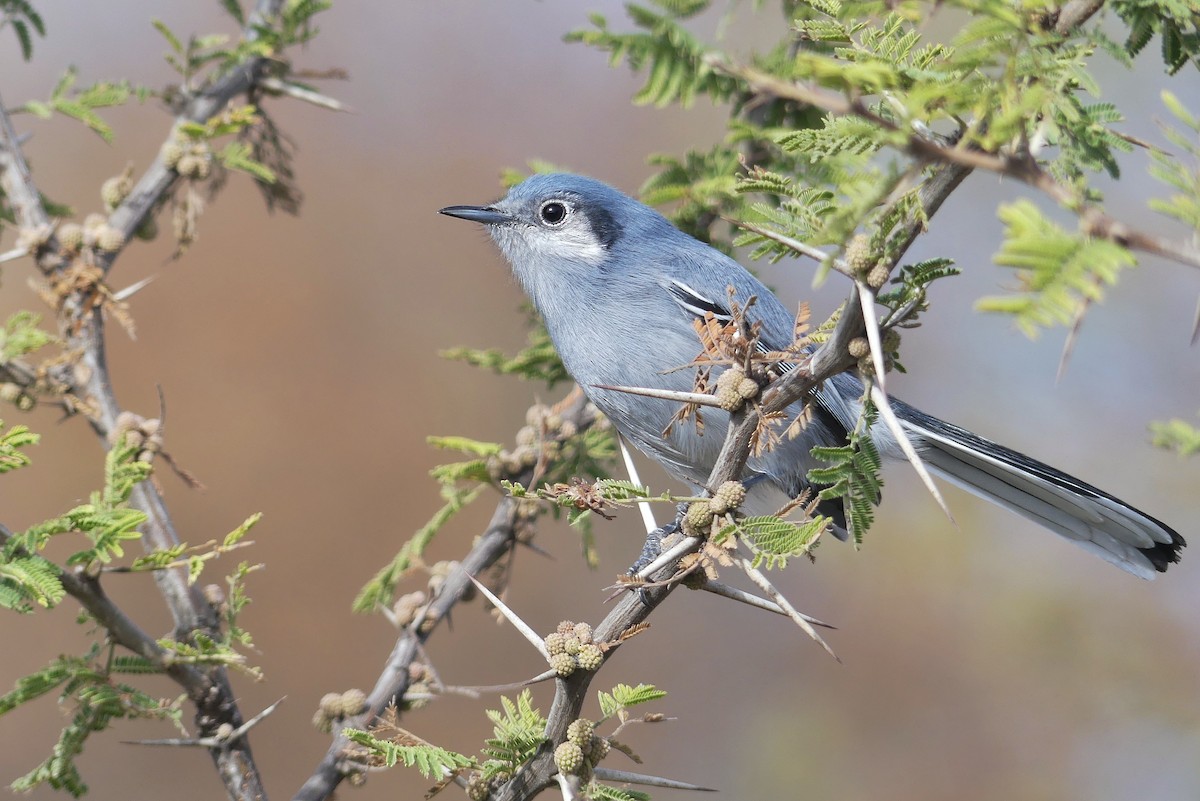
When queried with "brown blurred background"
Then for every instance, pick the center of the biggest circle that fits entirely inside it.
(298, 359)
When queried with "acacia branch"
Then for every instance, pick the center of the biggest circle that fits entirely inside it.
(1020, 166)
(83, 331)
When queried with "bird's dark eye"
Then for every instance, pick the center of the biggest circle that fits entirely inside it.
(553, 212)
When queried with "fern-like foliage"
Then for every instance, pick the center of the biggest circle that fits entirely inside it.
(537, 361)
(1183, 175)
(433, 762)
(773, 541)
(1059, 271)
(624, 696)
(672, 56)
(21, 336)
(25, 22)
(518, 730)
(853, 474)
(97, 698)
(1176, 435)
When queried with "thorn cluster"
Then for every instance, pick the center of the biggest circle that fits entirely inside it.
(571, 648)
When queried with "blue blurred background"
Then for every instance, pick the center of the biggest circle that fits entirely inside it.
(298, 357)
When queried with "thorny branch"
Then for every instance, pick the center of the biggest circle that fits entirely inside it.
(1017, 165)
(83, 331)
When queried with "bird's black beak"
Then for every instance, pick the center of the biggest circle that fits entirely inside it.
(480, 214)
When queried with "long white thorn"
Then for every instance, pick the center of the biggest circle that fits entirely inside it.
(741, 596)
(567, 786)
(766, 586)
(698, 398)
(611, 775)
(866, 299)
(631, 469)
(512, 617)
(889, 417)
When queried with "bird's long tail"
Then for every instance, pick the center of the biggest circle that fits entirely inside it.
(1096, 521)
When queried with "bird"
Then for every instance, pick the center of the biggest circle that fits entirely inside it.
(619, 287)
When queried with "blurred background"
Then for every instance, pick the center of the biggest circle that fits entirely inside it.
(298, 358)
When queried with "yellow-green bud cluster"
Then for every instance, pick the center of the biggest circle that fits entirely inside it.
(188, 157)
(858, 255)
(734, 388)
(336, 706)
(728, 496)
(116, 189)
(582, 749)
(438, 574)
(17, 396)
(878, 275)
(139, 432)
(407, 607)
(70, 236)
(859, 347)
(698, 520)
(478, 788)
(568, 757)
(541, 436)
(571, 648)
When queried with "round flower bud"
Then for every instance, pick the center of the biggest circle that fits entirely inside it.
(729, 399)
(563, 664)
(171, 153)
(553, 421)
(321, 722)
(94, 221)
(747, 388)
(115, 190)
(224, 731)
(580, 732)
(414, 696)
(731, 494)
(858, 254)
(536, 414)
(878, 276)
(571, 644)
(590, 657)
(147, 230)
(70, 236)
(568, 429)
(566, 627)
(599, 749)
(584, 632)
(10, 392)
(568, 757)
(865, 365)
(527, 436)
(477, 788)
(891, 340)
(698, 519)
(331, 704)
(556, 643)
(353, 702)
(859, 347)
(109, 239)
(357, 778)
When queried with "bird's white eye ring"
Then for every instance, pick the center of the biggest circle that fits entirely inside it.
(553, 212)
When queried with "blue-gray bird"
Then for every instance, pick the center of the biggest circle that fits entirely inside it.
(619, 287)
